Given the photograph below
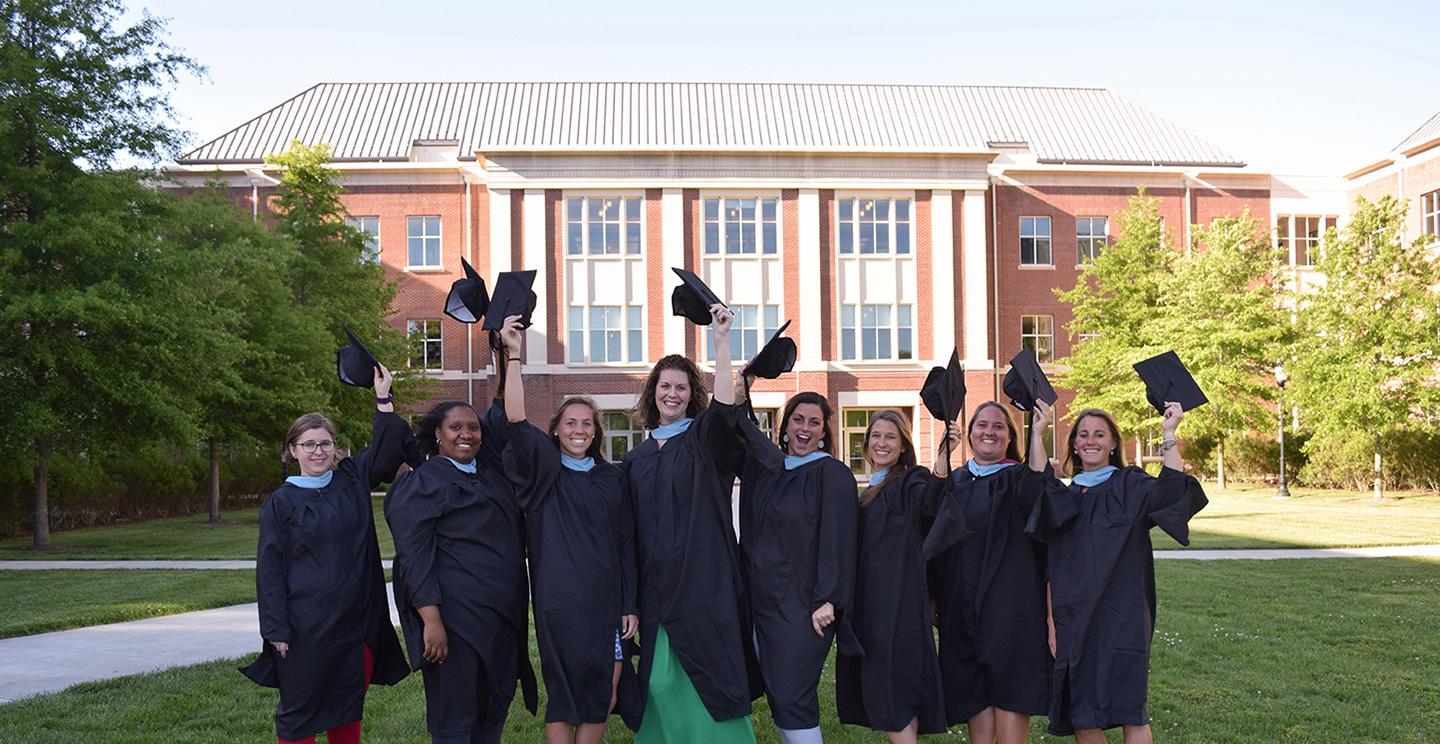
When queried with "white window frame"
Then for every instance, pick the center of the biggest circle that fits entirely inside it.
(424, 237)
(578, 266)
(622, 222)
(425, 343)
(898, 233)
(851, 315)
(1036, 236)
(751, 329)
(1430, 213)
(634, 432)
(1095, 241)
(1039, 338)
(363, 223)
(718, 231)
(1297, 243)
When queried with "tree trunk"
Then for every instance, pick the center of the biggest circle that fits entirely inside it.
(1220, 464)
(214, 481)
(40, 526)
(1379, 483)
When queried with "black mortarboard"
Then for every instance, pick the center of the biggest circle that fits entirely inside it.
(354, 363)
(512, 296)
(944, 390)
(692, 299)
(1026, 383)
(775, 358)
(1166, 379)
(468, 298)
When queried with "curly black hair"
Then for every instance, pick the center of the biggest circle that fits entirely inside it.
(426, 426)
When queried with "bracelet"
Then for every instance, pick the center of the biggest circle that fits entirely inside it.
(515, 360)
(382, 401)
(1168, 445)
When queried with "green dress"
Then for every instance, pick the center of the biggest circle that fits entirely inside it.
(674, 713)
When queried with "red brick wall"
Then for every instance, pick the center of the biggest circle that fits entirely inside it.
(924, 318)
(657, 302)
(790, 256)
(554, 275)
(829, 321)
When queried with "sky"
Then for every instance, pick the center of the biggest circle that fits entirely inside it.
(1290, 87)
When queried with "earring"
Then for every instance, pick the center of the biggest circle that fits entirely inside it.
(822, 444)
(784, 439)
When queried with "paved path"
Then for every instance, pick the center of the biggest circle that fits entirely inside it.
(208, 565)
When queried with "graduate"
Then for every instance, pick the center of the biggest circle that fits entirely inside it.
(1101, 568)
(579, 537)
(460, 582)
(798, 517)
(988, 576)
(695, 661)
(895, 685)
(324, 616)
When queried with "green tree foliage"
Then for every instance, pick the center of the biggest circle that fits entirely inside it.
(1365, 362)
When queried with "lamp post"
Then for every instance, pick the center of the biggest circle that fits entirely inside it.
(1280, 379)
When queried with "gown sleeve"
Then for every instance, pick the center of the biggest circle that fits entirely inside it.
(720, 437)
(391, 444)
(1174, 498)
(494, 428)
(413, 517)
(271, 588)
(531, 464)
(1056, 506)
(950, 526)
(760, 452)
(625, 542)
(839, 525)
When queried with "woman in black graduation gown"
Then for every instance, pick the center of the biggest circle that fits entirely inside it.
(989, 582)
(460, 573)
(798, 516)
(895, 686)
(694, 628)
(323, 611)
(1102, 574)
(579, 532)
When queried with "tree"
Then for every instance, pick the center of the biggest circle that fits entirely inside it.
(1365, 362)
(100, 324)
(1223, 314)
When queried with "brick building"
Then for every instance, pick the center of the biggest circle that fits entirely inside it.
(890, 224)
(1410, 172)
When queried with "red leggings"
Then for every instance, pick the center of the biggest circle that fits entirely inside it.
(347, 733)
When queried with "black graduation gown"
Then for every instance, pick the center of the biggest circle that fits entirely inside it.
(690, 578)
(1102, 584)
(797, 542)
(458, 544)
(898, 678)
(580, 540)
(321, 589)
(988, 579)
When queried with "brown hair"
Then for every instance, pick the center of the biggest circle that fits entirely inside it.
(645, 407)
(1012, 451)
(1072, 457)
(827, 437)
(907, 453)
(594, 450)
(312, 420)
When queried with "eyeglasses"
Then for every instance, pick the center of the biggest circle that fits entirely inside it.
(310, 447)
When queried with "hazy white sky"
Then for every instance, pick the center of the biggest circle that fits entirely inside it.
(1293, 87)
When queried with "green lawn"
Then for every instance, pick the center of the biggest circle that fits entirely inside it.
(1250, 517)
(188, 537)
(1245, 651)
(41, 601)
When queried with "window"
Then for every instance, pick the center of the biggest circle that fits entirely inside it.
(423, 236)
(1037, 333)
(852, 436)
(738, 226)
(1048, 437)
(883, 332)
(1299, 236)
(1090, 237)
(602, 225)
(1084, 336)
(370, 225)
(604, 280)
(753, 326)
(767, 418)
(424, 343)
(622, 434)
(1430, 213)
(871, 226)
(1035, 241)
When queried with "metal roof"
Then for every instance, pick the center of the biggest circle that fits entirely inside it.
(381, 121)
(1428, 131)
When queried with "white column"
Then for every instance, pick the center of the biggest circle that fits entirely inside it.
(942, 273)
(976, 293)
(499, 233)
(672, 251)
(536, 249)
(808, 276)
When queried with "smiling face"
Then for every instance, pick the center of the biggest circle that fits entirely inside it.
(575, 430)
(672, 395)
(989, 435)
(1093, 442)
(884, 445)
(319, 461)
(458, 435)
(804, 429)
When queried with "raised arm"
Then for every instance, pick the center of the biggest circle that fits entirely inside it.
(514, 391)
(720, 333)
(391, 441)
(1170, 445)
(1044, 415)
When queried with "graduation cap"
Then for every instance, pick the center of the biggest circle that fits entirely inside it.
(512, 296)
(1166, 379)
(468, 298)
(775, 358)
(1026, 383)
(944, 396)
(354, 363)
(693, 298)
